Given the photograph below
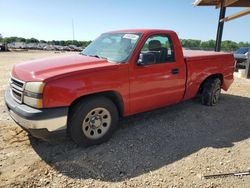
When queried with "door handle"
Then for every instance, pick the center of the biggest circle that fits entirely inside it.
(175, 71)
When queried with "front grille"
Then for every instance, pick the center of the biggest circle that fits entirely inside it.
(17, 83)
(17, 87)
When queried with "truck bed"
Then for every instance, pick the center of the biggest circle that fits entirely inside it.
(199, 54)
(201, 64)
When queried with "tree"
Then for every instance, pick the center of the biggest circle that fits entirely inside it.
(62, 43)
(187, 43)
(10, 39)
(42, 41)
(32, 40)
(55, 42)
(20, 39)
(243, 44)
(84, 43)
(207, 45)
(229, 45)
(190, 43)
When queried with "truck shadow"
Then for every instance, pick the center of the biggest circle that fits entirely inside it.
(151, 140)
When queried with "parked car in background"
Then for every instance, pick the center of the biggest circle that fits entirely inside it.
(17, 45)
(49, 47)
(75, 48)
(66, 48)
(3, 47)
(241, 56)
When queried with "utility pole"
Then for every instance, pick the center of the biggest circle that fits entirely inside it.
(248, 66)
(220, 27)
(73, 30)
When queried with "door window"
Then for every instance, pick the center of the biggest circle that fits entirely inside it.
(162, 48)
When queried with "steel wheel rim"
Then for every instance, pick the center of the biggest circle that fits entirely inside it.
(96, 123)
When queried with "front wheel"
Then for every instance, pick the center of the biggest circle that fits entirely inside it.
(211, 92)
(93, 121)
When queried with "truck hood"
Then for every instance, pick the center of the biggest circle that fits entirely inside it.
(51, 68)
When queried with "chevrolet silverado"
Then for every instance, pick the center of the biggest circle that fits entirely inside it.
(121, 73)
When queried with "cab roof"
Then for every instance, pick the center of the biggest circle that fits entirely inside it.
(143, 31)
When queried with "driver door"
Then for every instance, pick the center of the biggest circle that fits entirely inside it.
(160, 83)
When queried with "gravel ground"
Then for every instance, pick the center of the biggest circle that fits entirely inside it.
(169, 147)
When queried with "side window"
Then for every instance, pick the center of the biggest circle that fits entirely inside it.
(162, 48)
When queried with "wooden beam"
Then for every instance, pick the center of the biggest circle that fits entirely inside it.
(217, 3)
(237, 15)
(197, 2)
(229, 2)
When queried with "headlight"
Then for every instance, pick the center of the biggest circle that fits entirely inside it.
(33, 94)
(34, 87)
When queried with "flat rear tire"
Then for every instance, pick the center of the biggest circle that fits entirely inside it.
(211, 92)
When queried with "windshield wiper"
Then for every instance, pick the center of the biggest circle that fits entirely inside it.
(97, 56)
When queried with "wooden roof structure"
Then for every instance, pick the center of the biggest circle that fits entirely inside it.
(223, 5)
(227, 3)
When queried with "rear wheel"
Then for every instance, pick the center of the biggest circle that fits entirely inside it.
(93, 121)
(211, 92)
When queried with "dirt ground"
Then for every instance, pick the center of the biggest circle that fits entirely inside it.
(169, 147)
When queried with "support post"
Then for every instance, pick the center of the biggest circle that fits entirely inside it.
(248, 66)
(220, 27)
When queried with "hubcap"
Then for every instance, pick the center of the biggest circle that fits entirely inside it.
(96, 123)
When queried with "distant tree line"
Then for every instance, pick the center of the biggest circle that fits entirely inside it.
(186, 43)
(53, 42)
(226, 45)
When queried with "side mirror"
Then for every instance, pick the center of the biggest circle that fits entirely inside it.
(146, 59)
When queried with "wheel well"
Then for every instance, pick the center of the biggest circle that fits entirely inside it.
(112, 95)
(220, 76)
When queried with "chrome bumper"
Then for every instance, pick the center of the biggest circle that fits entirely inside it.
(54, 124)
(47, 120)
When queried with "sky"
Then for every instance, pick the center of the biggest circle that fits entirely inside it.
(52, 19)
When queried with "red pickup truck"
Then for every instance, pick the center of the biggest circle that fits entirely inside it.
(119, 74)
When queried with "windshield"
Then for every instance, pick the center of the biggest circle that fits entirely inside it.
(115, 47)
(243, 50)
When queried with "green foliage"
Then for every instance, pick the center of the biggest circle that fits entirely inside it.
(190, 43)
(69, 42)
(229, 45)
(21, 39)
(210, 44)
(186, 43)
(43, 41)
(10, 39)
(243, 44)
(32, 40)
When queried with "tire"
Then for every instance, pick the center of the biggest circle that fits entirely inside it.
(93, 121)
(211, 92)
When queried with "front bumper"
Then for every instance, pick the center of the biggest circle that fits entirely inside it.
(41, 123)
